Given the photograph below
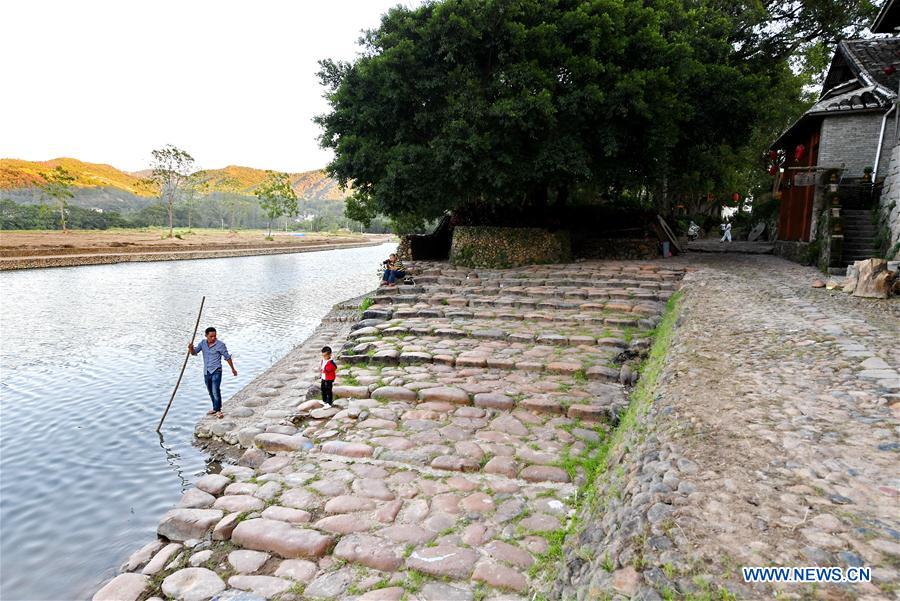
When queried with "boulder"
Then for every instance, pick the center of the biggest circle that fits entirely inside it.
(124, 587)
(264, 586)
(214, 484)
(183, 524)
(446, 394)
(874, 280)
(274, 442)
(369, 551)
(226, 526)
(281, 538)
(443, 560)
(192, 584)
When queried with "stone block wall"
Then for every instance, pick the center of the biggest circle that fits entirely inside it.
(852, 140)
(502, 247)
(616, 248)
(889, 205)
(793, 250)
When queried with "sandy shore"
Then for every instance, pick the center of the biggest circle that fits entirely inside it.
(29, 250)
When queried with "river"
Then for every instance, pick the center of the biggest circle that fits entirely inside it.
(88, 358)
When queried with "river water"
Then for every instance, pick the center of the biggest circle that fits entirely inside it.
(88, 359)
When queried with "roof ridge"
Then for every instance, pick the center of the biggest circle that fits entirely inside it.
(890, 38)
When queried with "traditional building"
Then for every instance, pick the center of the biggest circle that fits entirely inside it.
(832, 164)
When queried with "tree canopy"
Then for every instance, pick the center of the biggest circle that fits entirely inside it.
(170, 173)
(524, 104)
(58, 186)
(276, 197)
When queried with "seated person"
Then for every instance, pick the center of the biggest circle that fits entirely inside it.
(393, 270)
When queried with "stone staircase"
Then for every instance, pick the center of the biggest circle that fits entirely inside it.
(859, 236)
(448, 467)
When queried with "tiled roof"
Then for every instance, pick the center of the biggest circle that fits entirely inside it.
(856, 81)
(872, 56)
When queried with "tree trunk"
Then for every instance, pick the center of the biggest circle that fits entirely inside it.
(190, 213)
(171, 207)
(62, 217)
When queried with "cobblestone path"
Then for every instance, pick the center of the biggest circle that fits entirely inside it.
(774, 440)
(447, 468)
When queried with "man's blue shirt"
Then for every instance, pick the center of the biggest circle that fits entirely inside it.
(212, 357)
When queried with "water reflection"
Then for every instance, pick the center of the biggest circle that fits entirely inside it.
(88, 358)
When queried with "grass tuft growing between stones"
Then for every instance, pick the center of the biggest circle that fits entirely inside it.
(595, 461)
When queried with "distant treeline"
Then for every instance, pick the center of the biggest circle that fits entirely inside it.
(224, 213)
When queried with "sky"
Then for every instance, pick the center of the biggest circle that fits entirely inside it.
(232, 83)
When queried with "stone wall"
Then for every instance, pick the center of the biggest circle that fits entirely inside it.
(500, 247)
(890, 202)
(616, 248)
(851, 140)
(792, 250)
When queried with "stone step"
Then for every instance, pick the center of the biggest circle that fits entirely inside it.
(598, 366)
(567, 283)
(444, 464)
(533, 296)
(602, 326)
(546, 312)
(537, 329)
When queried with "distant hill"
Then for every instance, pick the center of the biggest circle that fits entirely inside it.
(17, 175)
(309, 185)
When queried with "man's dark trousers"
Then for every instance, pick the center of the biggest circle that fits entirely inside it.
(213, 385)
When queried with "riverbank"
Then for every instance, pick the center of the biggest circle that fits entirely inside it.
(31, 250)
(470, 409)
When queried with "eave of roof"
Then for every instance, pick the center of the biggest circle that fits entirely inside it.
(888, 19)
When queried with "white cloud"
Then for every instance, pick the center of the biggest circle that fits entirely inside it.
(230, 82)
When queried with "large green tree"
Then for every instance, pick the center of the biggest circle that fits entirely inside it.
(528, 103)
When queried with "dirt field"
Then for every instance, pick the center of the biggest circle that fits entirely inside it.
(53, 243)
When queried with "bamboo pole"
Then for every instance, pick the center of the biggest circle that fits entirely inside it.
(183, 365)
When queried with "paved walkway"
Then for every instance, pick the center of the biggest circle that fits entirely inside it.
(784, 401)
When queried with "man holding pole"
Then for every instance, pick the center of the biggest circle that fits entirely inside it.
(213, 351)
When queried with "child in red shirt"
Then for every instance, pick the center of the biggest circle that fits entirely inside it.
(328, 368)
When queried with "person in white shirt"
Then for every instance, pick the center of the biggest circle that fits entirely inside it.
(727, 235)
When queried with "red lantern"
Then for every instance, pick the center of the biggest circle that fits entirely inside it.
(799, 152)
(736, 198)
(773, 154)
(773, 170)
(889, 70)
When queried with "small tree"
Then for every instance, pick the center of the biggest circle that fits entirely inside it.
(171, 171)
(196, 187)
(276, 197)
(58, 186)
